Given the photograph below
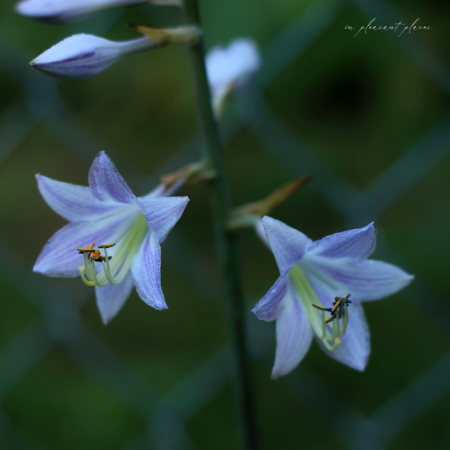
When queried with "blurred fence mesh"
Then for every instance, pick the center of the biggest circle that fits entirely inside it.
(166, 417)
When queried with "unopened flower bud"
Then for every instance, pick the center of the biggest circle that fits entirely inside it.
(230, 67)
(63, 11)
(85, 56)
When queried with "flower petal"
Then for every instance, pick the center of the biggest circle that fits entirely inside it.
(106, 182)
(358, 244)
(146, 270)
(162, 213)
(267, 308)
(73, 202)
(354, 348)
(261, 233)
(294, 335)
(288, 245)
(364, 280)
(59, 257)
(111, 298)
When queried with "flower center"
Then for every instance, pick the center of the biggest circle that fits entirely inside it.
(114, 268)
(326, 329)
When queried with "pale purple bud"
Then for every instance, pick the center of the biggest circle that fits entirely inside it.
(85, 56)
(63, 11)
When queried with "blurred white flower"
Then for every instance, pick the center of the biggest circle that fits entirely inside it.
(63, 11)
(231, 67)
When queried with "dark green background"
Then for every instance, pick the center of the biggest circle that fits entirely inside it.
(345, 111)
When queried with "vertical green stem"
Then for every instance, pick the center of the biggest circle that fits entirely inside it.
(226, 241)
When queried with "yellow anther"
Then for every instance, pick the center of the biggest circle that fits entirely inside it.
(95, 255)
(87, 249)
(107, 245)
(322, 308)
(335, 306)
(333, 316)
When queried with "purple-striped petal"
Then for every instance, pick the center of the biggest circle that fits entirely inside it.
(73, 202)
(294, 335)
(162, 213)
(146, 270)
(288, 245)
(267, 308)
(357, 244)
(59, 257)
(364, 280)
(111, 298)
(354, 348)
(106, 183)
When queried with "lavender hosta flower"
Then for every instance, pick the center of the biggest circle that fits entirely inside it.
(316, 273)
(85, 56)
(105, 213)
(230, 67)
(64, 11)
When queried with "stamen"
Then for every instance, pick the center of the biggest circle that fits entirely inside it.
(335, 333)
(82, 250)
(336, 305)
(107, 245)
(87, 266)
(93, 273)
(115, 271)
(345, 319)
(322, 308)
(84, 278)
(85, 270)
(324, 328)
(102, 258)
(333, 316)
(339, 317)
(95, 255)
(328, 329)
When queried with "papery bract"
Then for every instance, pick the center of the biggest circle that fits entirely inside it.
(108, 212)
(85, 56)
(317, 272)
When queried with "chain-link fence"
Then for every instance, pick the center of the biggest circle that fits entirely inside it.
(67, 382)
